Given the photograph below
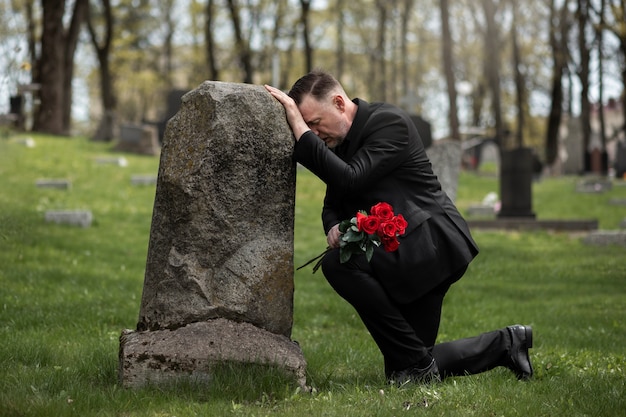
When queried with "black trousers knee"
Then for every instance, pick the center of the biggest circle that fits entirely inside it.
(406, 333)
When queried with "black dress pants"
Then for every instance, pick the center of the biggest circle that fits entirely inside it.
(406, 333)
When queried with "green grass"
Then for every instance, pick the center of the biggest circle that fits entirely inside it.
(67, 292)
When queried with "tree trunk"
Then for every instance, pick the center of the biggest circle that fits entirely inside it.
(211, 49)
(341, 59)
(308, 49)
(492, 67)
(448, 69)
(71, 42)
(243, 48)
(519, 78)
(106, 126)
(49, 118)
(379, 52)
(55, 66)
(404, 48)
(583, 75)
(558, 41)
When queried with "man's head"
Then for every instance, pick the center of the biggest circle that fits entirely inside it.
(324, 105)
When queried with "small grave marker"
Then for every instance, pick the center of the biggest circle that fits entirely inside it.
(60, 184)
(121, 161)
(82, 218)
(143, 179)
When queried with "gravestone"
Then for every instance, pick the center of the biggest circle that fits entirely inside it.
(445, 158)
(516, 177)
(82, 218)
(139, 139)
(119, 161)
(620, 160)
(143, 180)
(59, 184)
(218, 284)
(606, 238)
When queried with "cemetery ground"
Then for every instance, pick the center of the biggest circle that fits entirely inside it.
(66, 293)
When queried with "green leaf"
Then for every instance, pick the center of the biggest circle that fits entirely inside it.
(351, 236)
(344, 254)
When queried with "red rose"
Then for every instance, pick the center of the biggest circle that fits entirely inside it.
(390, 243)
(369, 224)
(360, 218)
(401, 223)
(388, 229)
(382, 210)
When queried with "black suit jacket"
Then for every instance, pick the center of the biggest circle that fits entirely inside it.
(383, 159)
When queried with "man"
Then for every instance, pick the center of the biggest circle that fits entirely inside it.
(369, 153)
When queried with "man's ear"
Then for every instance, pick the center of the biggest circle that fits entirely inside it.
(339, 103)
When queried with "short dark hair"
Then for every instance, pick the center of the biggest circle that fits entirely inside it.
(316, 83)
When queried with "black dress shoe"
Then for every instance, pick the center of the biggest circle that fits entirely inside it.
(519, 360)
(427, 375)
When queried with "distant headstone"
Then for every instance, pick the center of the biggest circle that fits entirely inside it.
(82, 218)
(489, 153)
(516, 177)
(218, 283)
(60, 184)
(28, 142)
(606, 237)
(620, 160)
(139, 139)
(121, 161)
(594, 185)
(617, 201)
(445, 157)
(143, 180)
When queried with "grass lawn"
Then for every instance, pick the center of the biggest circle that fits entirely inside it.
(67, 292)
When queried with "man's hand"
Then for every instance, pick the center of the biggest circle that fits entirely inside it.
(297, 123)
(332, 238)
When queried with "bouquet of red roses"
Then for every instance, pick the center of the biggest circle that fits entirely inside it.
(364, 232)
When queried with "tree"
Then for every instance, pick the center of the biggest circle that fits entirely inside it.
(305, 6)
(492, 46)
(56, 65)
(559, 29)
(618, 28)
(448, 69)
(584, 52)
(519, 77)
(105, 131)
(242, 44)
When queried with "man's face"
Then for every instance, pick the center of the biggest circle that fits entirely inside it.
(326, 118)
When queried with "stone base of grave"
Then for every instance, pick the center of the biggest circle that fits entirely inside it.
(606, 238)
(189, 353)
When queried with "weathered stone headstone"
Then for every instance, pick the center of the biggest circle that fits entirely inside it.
(60, 184)
(82, 218)
(594, 185)
(121, 161)
(606, 238)
(143, 179)
(219, 273)
(445, 157)
(139, 139)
